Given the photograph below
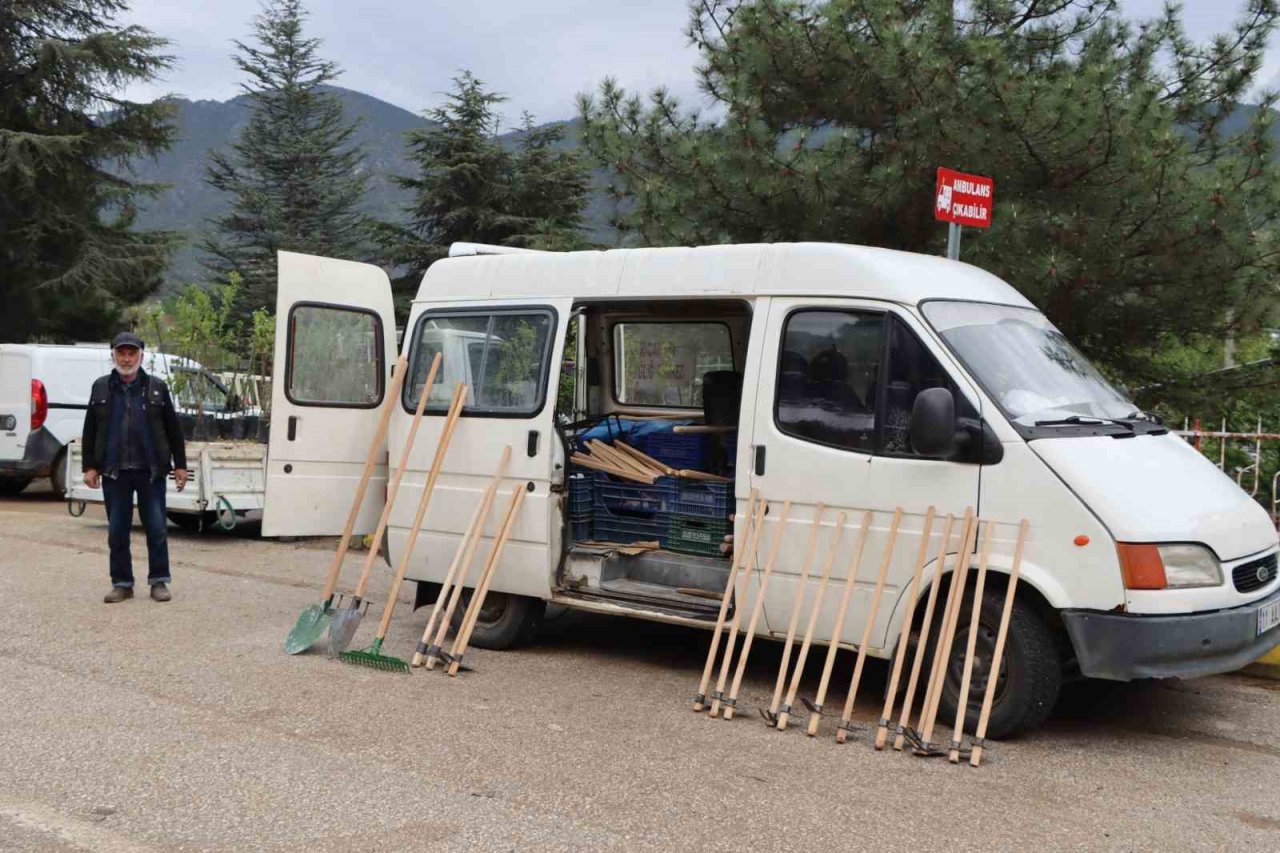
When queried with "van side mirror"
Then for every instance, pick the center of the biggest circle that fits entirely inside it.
(932, 429)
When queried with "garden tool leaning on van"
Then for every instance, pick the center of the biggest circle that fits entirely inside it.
(346, 620)
(373, 656)
(315, 619)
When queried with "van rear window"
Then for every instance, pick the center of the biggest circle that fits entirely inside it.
(662, 364)
(501, 356)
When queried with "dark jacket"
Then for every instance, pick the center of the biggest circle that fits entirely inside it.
(166, 434)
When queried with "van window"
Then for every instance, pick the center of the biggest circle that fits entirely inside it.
(827, 374)
(910, 369)
(501, 356)
(662, 364)
(335, 357)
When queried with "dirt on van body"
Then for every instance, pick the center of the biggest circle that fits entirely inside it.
(184, 726)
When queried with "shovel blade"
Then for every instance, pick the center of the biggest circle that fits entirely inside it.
(342, 630)
(309, 628)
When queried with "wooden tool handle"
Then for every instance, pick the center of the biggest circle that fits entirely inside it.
(391, 400)
(798, 671)
(997, 656)
(962, 705)
(757, 609)
(437, 462)
(847, 711)
(904, 637)
(707, 668)
(954, 598)
(740, 599)
(644, 458)
(849, 583)
(367, 569)
(464, 569)
(486, 578)
(801, 588)
(471, 528)
(926, 625)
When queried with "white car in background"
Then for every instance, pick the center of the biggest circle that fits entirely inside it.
(44, 391)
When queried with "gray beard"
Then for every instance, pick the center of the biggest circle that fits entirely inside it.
(128, 375)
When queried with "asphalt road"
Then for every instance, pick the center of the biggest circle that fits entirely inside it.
(184, 726)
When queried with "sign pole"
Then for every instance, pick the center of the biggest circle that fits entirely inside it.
(953, 241)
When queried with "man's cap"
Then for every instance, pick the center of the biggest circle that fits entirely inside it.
(127, 339)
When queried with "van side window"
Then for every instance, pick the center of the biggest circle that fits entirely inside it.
(502, 356)
(827, 375)
(335, 357)
(910, 369)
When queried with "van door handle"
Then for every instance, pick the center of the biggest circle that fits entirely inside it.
(532, 446)
(759, 460)
(293, 427)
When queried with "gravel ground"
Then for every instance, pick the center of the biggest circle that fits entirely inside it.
(184, 726)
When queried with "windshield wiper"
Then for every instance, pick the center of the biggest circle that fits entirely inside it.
(1087, 420)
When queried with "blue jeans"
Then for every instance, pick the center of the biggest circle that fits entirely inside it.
(118, 492)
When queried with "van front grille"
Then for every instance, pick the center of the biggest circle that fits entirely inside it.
(1254, 574)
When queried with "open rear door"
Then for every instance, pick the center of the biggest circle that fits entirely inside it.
(335, 342)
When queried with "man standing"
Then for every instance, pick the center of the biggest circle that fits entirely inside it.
(130, 435)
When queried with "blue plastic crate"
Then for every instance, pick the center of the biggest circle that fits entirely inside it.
(704, 500)
(677, 450)
(610, 526)
(581, 493)
(629, 496)
(580, 527)
(731, 450)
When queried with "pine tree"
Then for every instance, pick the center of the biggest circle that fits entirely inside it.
(293, 174)
(471, 188)
(69, 260)
(1135, 197)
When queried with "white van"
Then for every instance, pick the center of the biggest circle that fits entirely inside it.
(1143, 559)
(44, 391)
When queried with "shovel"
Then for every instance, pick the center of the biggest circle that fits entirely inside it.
(347, 620)
(373, 657)
(315, 619)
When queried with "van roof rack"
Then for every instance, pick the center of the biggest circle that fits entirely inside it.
(467, 250)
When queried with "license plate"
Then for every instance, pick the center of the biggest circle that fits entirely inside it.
(1268, 617)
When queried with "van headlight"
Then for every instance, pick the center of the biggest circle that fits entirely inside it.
(1190, 565)
(1180, 566)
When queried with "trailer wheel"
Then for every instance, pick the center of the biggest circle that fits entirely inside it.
(1030, 674)
(506, 621)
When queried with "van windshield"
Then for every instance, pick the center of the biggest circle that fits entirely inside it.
(1030, 369)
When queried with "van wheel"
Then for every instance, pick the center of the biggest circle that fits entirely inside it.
(1030, 674)
(58, 474)
(11, 487)
(506, 621)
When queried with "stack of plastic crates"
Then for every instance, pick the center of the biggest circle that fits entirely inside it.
(625, 511)
(679, 450)
(581, 499)
(700, 517)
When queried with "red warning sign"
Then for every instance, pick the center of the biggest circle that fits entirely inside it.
(964, 199)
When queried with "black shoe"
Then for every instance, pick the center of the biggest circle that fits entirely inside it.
(118, 593)
(160, 592)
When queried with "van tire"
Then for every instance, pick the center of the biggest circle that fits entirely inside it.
(1032, 669)
(58, 474)
(507, 621)
(11, 487)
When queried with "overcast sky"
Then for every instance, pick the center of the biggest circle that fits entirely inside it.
(540, 53)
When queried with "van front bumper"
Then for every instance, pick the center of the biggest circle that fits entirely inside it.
(1125, 646)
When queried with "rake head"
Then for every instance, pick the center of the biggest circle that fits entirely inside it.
(372, 658)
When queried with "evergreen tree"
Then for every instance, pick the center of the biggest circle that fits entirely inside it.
(1135, 197)
(69, 261)
(471, 188)
(294, 177)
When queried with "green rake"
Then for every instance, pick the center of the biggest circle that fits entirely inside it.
(373, 657)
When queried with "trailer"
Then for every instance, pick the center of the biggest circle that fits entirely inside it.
(227, 485)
